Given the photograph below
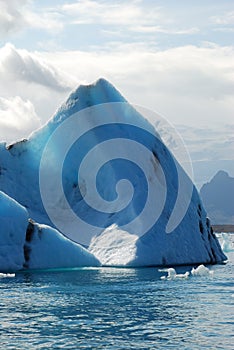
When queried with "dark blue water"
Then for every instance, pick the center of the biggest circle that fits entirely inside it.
(110, 308)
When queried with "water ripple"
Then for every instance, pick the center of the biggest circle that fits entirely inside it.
(116, 309)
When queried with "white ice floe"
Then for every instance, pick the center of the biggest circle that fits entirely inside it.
(201, 270)
(7, 275)
(172, 275)
(226, 244)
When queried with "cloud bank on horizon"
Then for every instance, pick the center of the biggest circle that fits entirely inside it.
(175, 58)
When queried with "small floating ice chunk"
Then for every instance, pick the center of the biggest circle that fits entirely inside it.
(172, 275)
(8, 275)
(201, 270)
(226, 243)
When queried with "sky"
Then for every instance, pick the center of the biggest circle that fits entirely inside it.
(174, 57)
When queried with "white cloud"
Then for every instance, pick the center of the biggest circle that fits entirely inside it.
(141, 48)
(210, 143)
(122, 13)
(210, 148)
(48, 19)
(135, 16)
(33, 78)
(15, 15)
(12, 16)
(224, 29)
(17, 119)
(224, 23)
(21, 65)
(145, 29)
(198, 81)
(190, 85)
(182, 72)
(226, 19)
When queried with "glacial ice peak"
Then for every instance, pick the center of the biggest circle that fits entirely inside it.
(99, 92)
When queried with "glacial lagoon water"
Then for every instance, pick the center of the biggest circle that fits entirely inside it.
(116, 308)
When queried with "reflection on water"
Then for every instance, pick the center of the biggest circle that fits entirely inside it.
(110, 308)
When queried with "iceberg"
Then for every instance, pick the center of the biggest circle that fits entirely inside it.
(201, 270)
(91, 180)
(46, 248)
(7, 275)
(172, 275)
(25, 244)
(227, 245)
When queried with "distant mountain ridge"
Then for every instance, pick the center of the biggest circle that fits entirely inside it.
(218, 198)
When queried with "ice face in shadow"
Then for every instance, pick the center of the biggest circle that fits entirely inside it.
(190, 242)
(13, 225)
(27, 245)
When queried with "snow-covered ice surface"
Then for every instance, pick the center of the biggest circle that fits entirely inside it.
(114, 246)
(191, 242)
